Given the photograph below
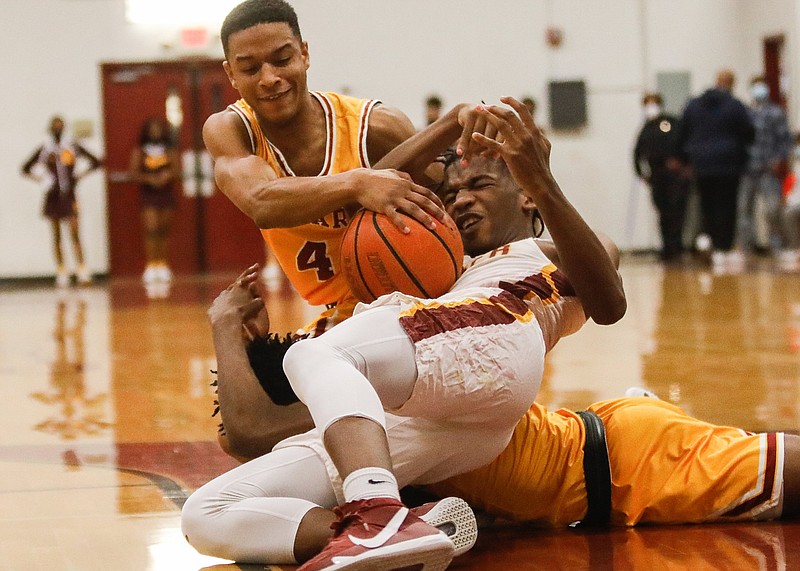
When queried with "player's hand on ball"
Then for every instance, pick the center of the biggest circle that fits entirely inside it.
(391, 192)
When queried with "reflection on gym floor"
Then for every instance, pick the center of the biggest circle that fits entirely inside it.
(108, 426)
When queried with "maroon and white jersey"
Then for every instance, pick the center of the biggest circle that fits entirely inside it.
(514, 279)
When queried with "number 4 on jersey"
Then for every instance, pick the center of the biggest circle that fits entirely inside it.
(314, 256)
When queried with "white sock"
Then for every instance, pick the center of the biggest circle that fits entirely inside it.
(369, 483)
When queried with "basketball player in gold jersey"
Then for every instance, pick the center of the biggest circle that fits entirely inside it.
(296, 160)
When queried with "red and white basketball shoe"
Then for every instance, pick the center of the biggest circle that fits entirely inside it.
(455, 518)
(382, 534)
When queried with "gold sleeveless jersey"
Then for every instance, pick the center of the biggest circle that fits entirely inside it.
(309, 254)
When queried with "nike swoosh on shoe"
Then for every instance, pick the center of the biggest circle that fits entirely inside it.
(385, 534)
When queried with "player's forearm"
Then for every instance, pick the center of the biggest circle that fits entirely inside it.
(584, 259)
(290, 201)
(27, 167)
(416, 153)
(252, 422)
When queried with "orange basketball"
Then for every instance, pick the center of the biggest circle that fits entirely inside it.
(377, 258)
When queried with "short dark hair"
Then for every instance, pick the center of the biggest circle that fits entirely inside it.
(253, 12)
(144, 134)
(652, 96)
(434, 101)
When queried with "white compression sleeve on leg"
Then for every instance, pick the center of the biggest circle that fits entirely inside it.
(356, 369)
(286, 515)
(329, 385)
(253, 512)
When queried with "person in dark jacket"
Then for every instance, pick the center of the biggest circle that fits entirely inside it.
(714, 136)
(655, 159)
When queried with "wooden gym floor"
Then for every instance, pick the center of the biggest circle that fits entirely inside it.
(106, 425)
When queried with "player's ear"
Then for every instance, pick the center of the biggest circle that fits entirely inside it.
(527, 203)
(304, 54)
(227, 67)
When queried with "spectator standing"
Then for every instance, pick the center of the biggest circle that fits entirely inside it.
(59, 156)
(766, 169)
(655, 160)
(714, 136)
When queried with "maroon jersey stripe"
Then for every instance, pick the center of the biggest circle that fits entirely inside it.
(502, 309)
(362, 132)
(769, 481)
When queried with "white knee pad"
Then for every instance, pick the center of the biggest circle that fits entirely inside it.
(329, 384)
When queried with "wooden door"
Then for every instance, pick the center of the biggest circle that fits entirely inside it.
(773, 67)
(209, 234)
(131, 94)
(231, 240)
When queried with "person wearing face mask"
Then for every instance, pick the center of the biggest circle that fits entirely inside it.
(655, 160)
(767, 165)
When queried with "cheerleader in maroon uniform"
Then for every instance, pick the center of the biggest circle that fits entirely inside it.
(59, 157)
(155, 166)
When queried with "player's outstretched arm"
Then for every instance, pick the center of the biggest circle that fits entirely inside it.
(252, 423)
(584, 258)
(416, 155)
(283, 202)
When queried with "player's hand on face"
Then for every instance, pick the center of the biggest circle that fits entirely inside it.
(520, 143)
(472, 120)
(242, 302)
(391, 192)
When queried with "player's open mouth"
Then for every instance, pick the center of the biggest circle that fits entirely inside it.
(467, 221)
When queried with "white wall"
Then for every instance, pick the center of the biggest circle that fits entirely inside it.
(399, 52)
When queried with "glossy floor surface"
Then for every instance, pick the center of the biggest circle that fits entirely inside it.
(107, 427)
